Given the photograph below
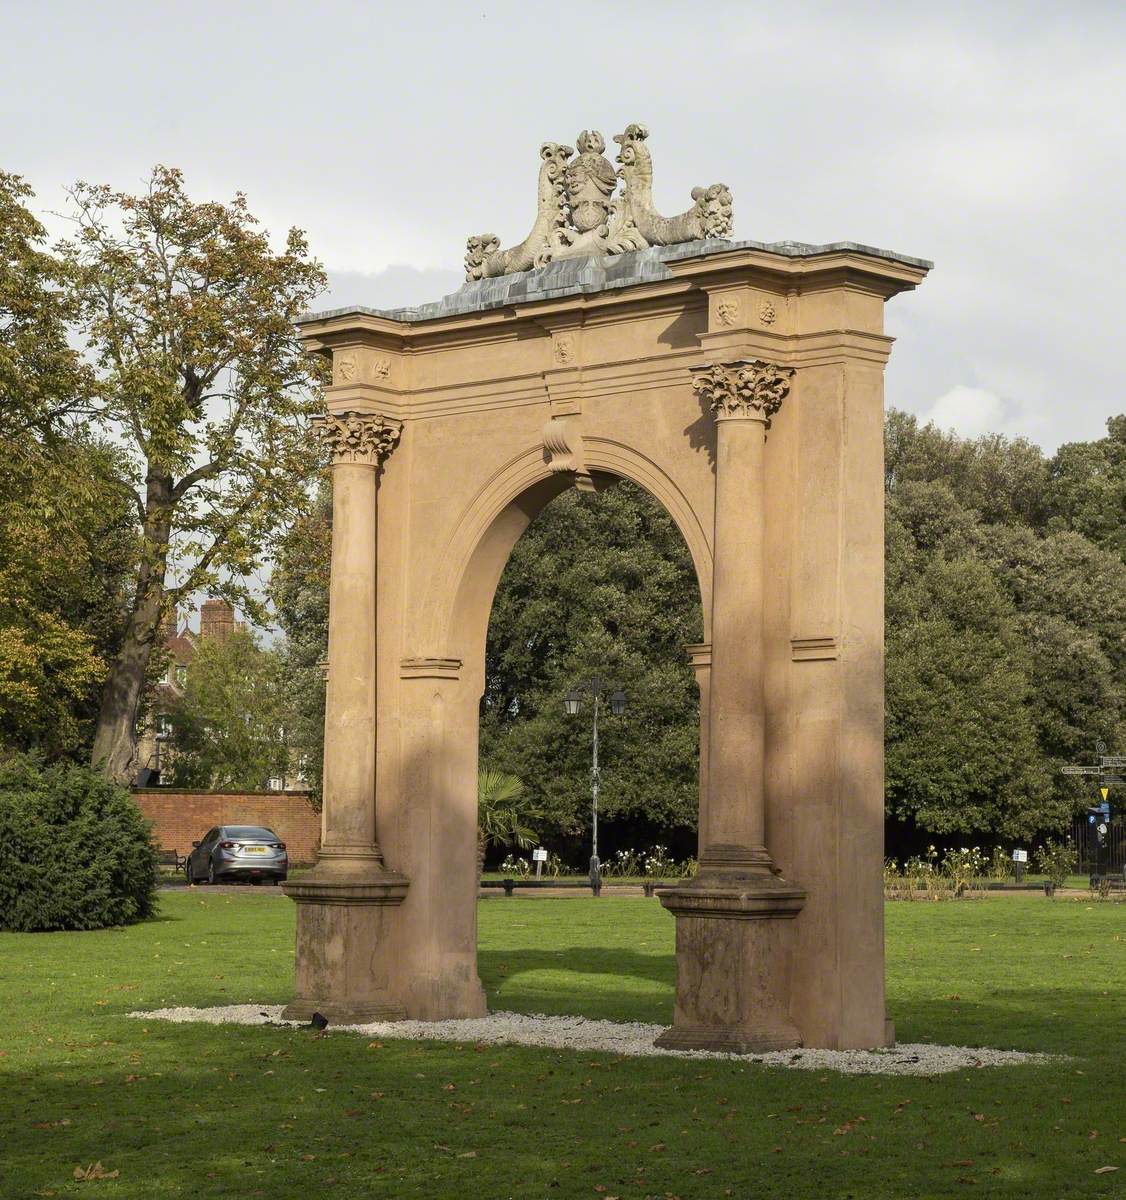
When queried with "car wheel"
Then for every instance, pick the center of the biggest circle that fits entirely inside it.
(211, 873)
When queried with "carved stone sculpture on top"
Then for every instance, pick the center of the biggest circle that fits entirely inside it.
(580, 215)
(709, 217)
(484, 258)
(596, 220)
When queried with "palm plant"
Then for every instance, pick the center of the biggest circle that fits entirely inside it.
(499, 818)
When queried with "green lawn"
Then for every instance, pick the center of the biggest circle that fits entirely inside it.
(199, 1111)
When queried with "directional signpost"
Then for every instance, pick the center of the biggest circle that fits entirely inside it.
(1111, 769)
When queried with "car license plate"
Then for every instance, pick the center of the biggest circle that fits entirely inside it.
(256, 849)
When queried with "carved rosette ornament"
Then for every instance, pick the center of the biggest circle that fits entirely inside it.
(353, 437)
(748, 388)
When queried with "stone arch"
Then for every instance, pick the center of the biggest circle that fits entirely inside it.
(451, 425)
(493, 521)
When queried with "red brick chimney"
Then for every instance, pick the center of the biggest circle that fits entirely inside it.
(216, 620)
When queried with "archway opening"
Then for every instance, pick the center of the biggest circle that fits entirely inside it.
(600, 586)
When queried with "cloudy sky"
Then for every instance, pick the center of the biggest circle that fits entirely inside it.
(988, 137)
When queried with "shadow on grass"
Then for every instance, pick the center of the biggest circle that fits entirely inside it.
(605, 984)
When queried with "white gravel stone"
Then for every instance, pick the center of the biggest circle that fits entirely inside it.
(627, 1038)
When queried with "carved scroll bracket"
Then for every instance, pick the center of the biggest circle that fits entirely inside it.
(355, 437)
(563, 449)
(749, 389)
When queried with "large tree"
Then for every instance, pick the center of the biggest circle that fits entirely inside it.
(962, 756)
(188, 315)
(229, 726)
(299, 592)
(66, 531)
(42, 379)
(1087, 489)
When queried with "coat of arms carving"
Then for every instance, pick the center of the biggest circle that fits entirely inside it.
(579, 213)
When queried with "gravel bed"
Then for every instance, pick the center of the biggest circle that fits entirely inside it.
(627, 1038)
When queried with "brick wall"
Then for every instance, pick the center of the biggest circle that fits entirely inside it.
(180, 818)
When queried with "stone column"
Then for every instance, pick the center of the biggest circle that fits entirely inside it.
(342, 904)
(731, 941)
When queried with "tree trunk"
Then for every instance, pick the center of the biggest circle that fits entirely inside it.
(115, 737)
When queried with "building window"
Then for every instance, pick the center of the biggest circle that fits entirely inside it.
(163, 726)
(181, 675)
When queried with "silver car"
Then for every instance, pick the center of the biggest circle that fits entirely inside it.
(230, 852)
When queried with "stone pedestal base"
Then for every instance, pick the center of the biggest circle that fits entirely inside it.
(732, 963)
(342, 969)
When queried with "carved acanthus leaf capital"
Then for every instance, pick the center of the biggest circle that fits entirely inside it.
(747, 388)
(354, 437)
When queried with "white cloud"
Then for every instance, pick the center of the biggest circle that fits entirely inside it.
(968, 411)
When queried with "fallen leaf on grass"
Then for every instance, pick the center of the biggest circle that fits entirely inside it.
(1104, 1170)
(94, 1171)
(468, 1154)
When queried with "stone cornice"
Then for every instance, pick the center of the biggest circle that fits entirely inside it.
(751, 390)
(356, 437)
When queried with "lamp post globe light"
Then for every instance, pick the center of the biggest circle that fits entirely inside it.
(600, 692)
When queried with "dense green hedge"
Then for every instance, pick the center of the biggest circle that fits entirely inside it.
(75, 852)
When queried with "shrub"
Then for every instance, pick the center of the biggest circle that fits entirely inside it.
(1055, 861)
(962, 867)
(1000, 865)
(75, 852)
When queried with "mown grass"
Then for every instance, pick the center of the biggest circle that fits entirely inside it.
(197, 1111)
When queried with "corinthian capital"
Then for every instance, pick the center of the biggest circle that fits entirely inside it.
(747, 388)
(355, 437)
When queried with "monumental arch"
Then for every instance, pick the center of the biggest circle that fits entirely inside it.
(741, 384)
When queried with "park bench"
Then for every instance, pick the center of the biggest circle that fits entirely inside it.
(510, 885)
(1112, 882)
(169, 858)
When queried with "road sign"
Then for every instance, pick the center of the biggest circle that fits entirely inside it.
(539, 854)
(1081, 770)
(1104, 792)
(1113, 760)
(1020, 856)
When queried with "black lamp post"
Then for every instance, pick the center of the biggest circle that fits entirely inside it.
(598, 690)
